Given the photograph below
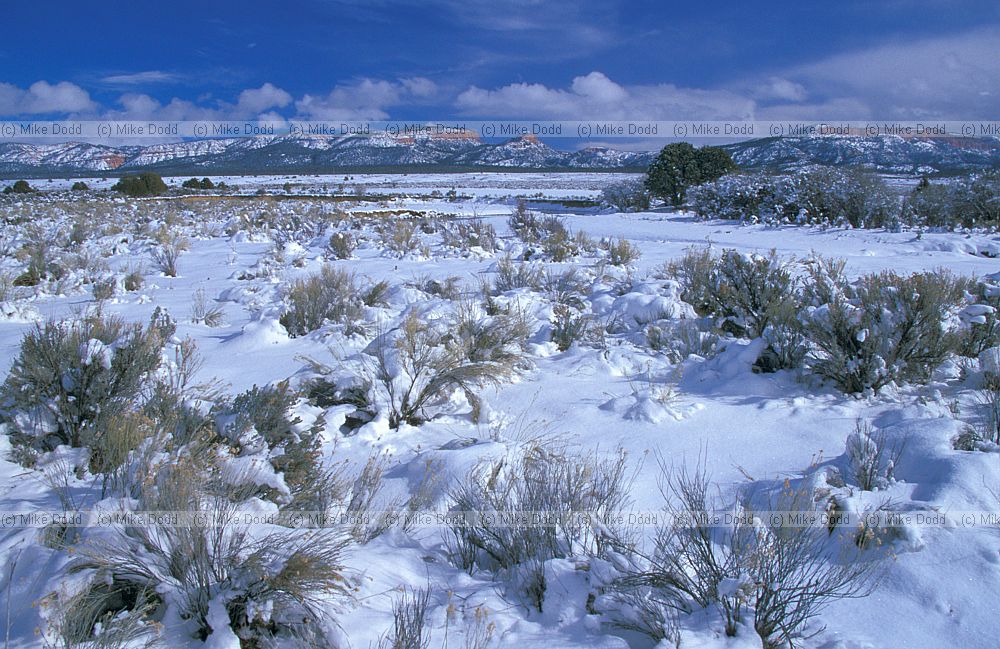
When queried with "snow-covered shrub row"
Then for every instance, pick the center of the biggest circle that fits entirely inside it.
(829, 196)
(862, 335)
(818, 196)
(967, 202)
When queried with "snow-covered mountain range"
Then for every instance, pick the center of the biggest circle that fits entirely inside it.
(321, 153)
(885, 154)
(308, 153)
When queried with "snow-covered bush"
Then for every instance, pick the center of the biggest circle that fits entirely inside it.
(400, 236)
(696, 273)
(177, 404)
(331, 295)
(569, 287)
(167, 252)
(984, 434)
(780, 576)
(449, 288)
(748, 295)
(627, 195)
(410, 628)
(751, 292)
(341, 245)
(261, 421)
(498, 338)
(837, 196)
(543, 478)
(680, 339)
(71, 378)
(104, 288)
(621, 252)
(42, 256)
(549, 233)
(134, 278)
(744, 197)
(872, 456)
(934, 206)
(231, 585)
(821, 195)
(513, 275)
(527, 225)
(981, 326)
(418, 363)
(569, 326)
(884, 329)
(465, 234)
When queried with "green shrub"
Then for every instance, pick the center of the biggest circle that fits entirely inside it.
(145, 184)
(19, 187)
(194, 183)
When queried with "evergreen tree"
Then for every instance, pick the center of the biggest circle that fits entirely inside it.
(680, 166)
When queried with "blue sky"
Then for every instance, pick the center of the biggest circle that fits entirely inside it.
(446, 59)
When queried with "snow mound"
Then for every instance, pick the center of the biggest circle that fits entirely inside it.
(645, 303)
(266, 331)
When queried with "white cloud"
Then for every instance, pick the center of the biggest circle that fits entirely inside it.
(949, 77)
(149, 76)
(257, 100)
(365, 99)
(137, 106)
(42, 98)
(595, 96)
(250, 104)
(778, 88)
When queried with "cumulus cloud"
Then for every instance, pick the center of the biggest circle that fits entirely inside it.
(43, 98)
(136, 106)
(595, 96)
(257, 100)
(251, 103)
(365, 99)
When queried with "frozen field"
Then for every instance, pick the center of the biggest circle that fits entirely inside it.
(607, 393)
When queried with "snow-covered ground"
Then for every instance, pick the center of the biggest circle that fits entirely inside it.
(936, 590)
